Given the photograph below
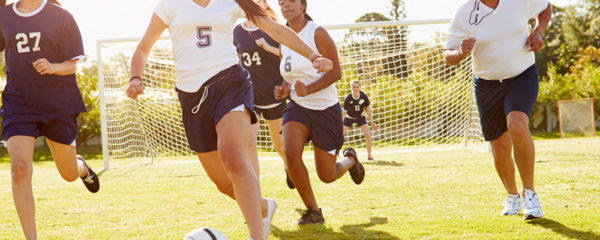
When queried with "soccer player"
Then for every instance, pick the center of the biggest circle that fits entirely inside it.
(354, 105)
(259, 55)
(42, 44)
(314, 112)
(496, 34)
(215, 92)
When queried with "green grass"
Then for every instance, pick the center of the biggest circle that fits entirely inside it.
(432, 195)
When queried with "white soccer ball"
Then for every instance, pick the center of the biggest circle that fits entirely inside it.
(205, 234)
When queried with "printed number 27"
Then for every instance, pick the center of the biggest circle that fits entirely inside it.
(204, 39)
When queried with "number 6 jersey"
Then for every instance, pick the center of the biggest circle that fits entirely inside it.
(49, 32)
(201, 37)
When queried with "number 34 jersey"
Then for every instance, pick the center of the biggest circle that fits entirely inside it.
(201, 37)
(48, 32)
(263, 66)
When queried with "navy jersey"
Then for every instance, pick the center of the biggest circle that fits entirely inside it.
(263, 66)
(355, 107)
(49, 32)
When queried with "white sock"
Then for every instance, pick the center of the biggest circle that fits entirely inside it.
(346, 162)
(80, 166)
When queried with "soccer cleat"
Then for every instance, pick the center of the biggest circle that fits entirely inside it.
(311, 217)
(357, 172)
(532, 208)
(91, 181)
(288, 180)
(271, 206)
(512, 205)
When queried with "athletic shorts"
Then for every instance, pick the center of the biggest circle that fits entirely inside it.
(60, 129)
(496, 99)
(271, 113)
(224, 92)
(349, 122)
(326, 131)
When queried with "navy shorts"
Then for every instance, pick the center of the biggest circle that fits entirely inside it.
(326, 131)
(271, 113)
(225, 91)
(349, 122)
(496, 99)
(60, 129)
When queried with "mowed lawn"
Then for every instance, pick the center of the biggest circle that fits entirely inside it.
(426, 195)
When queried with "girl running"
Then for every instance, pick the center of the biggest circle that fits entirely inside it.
(259, 55)
(354, 105)
(314, 112)
(42, 44)
(215, 92)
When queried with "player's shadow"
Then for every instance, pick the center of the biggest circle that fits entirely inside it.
(383, 163)
(564, 230)
(349, 232)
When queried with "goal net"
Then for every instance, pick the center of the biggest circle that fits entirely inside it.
(418, 102)
(576, 118)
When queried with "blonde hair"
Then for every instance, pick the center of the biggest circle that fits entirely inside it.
(355, 81)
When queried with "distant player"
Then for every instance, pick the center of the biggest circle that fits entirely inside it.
(215, 92)
(354, 105)
(42, 44)
(314, 112)
(259, 55)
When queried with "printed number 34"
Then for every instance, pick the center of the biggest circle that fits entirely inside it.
(204, 38)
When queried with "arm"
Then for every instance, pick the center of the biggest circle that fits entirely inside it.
(65, 68)
(454, 57)
(140, 56)
(370, 118)
(267, 47)
(283, 91)
(535, 41)
(343, 115)
(326, 46)
(288, 37)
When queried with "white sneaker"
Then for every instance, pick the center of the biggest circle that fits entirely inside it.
(271, 206)
(512, 205)
(532, 208)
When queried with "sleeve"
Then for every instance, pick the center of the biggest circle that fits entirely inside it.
(164, 11)
(456, 33)
(70, 44)
(536, 7)
(235, 38)
(346, 104)
(367, 102)
(2, 43)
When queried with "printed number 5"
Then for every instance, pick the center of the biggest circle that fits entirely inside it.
(204, 39)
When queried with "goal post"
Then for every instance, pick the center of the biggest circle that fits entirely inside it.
(419, 103)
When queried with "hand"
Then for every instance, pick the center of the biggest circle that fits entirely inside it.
(301, 89)
(261, 42)
(375, 128)
(282, 92)
(534, 41)
(136, 87)
(322, 64)
(43, 67)
(466, 46)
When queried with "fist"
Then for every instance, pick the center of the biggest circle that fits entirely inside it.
(281, 92)
(136, 87)
(322, 64)
(534, 41)
(466, 46)
(301, 89)
(43, 67)
(375, 128)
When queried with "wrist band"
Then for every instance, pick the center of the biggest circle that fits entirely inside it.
(135, 77)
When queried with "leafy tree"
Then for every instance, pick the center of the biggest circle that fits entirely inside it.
(88, 123)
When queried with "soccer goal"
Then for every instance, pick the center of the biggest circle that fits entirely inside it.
(418, 102)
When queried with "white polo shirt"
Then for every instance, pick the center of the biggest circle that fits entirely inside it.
(500, 51)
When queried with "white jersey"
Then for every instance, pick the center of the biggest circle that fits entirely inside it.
(202, 38)
(500, 51)
(295, 67)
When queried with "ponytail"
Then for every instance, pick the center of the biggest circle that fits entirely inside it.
(254, 11)
(305, 14)
(2, 3)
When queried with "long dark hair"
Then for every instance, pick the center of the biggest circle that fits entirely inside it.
(254, 11)
(306, 14)
(3, 2)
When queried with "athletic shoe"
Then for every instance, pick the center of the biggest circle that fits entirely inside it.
(311, 217)
(371, 158)
(271, 206)
(512, 205)
(357, 172)
(288, 180)
(91, 181)
(532, 208)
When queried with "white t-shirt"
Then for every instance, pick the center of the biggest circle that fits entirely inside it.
(202, 38)
(500, 51)
(295, 67)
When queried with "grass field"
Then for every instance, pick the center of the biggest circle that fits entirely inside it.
(432, 195)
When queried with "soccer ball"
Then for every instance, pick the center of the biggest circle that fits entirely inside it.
(205, 234)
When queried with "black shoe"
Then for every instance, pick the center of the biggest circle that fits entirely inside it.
(357, 172)
(288, 180)
(311, 217)
(91, 181)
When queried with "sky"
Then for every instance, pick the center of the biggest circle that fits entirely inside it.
(108, 19)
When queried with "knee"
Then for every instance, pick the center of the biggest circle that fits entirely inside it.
(518, 126)
(70, 176)
(226, 188)
(327, 178)
(293, 155)
(233, 160)
(20, 170)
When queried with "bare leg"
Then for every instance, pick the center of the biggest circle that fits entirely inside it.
(328, 169)
(253, 154)
(295, 135)
(368, 139)
(502, 152)
(345, 130)
(524, 149)
(20, 150)
(65, 158)
(276, 137)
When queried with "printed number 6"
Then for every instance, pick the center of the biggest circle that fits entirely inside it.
(288, 64)
(204, 39)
